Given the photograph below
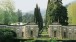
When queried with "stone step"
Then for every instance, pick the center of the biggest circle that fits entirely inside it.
(44, 35)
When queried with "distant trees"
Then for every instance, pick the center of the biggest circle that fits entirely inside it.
(19, 13)
(38, 18)
(28, 17)
(56, 12)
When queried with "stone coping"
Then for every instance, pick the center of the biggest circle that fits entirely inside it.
(18, 25)
(55, 25)
(31, 25)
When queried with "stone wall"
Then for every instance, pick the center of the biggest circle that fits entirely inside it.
(32, 31)
(23, 31)
(54, 31)
(62, 32)
(71, 32)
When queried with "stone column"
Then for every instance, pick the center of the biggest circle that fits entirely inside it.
(27, 32)
(50, 33)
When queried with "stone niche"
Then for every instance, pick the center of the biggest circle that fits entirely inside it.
(18, 29)
(71, 32)
(23, 31)
(64, 32)
(31, 31)
(54, 30)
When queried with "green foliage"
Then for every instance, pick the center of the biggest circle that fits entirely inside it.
(14, 17)
(56, 13)
(6, 35)
(7, 5)
(6, 18)
(7, 14)
(19, 13)
(61, 15)
(52, 40)
(72, 13)
(28, 18)
(38, 18)
(1, 16)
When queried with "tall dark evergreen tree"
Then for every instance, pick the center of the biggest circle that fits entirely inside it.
(19, 13)
(56, 12)
(38, 18)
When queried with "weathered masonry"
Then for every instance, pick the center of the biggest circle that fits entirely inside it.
(62, 32)
(23, 31)
(31, 31)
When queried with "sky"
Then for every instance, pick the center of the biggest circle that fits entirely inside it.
(29, 5)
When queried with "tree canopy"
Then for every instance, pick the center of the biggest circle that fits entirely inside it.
(72, 13)
(7, 14)
(56, 12)
(7, 35)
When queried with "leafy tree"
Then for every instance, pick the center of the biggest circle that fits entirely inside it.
(38, 18)
(1, 16)
(6, 18)
(7, 35)
(14, 17)
(60, 15)
(7, 7)
(56, 12)
(71, 8)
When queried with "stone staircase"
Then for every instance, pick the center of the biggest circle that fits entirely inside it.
(44, 34)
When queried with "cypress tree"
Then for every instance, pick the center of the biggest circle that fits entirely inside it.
(38, 18)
